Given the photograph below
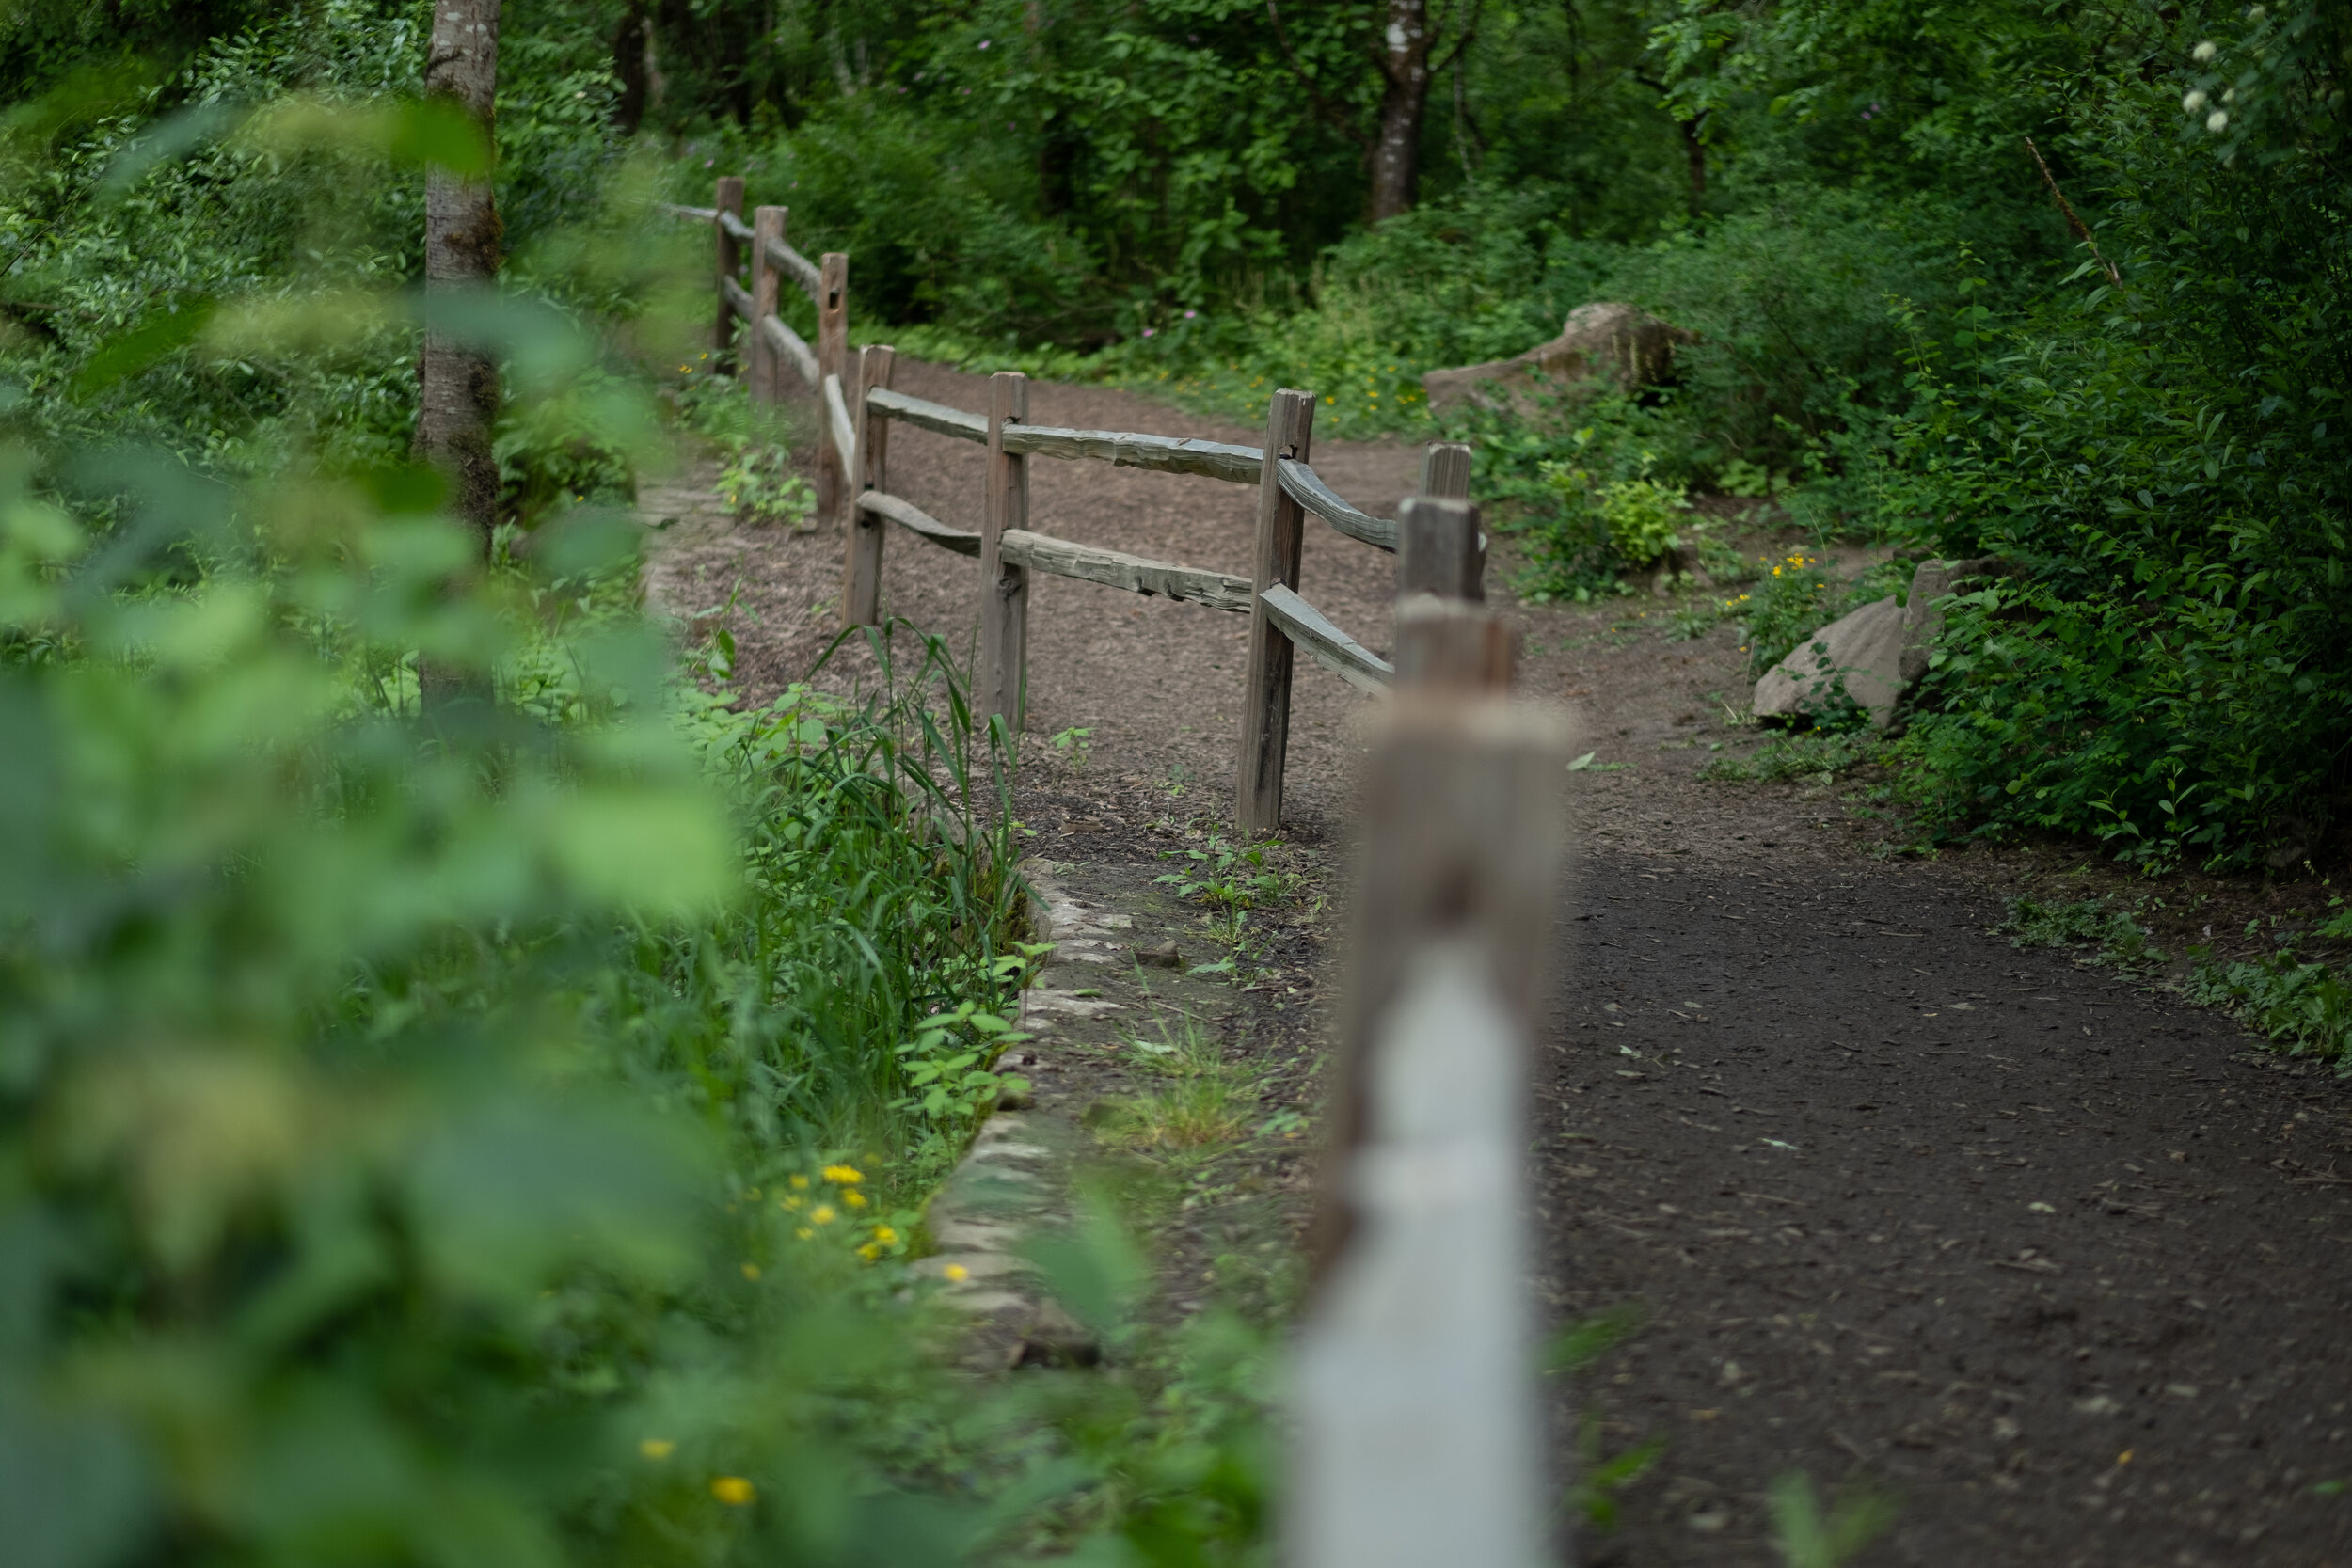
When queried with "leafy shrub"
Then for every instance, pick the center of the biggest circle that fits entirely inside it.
(759, 484)
(556, 454)
(407, 1081)
(2165, 456)
(1642, 516)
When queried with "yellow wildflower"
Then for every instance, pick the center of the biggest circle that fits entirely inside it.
(854, 1199)
(821, 1214)
(886, 1236)
(869, 1252)
(956, 1273)
(800, 1184)
(734, 1491)
(751, 1270)
(789, 1202)
(844, 1176)
(656, 1449)
(803, 1232)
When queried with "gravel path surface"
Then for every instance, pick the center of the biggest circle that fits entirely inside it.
(2053, 1259)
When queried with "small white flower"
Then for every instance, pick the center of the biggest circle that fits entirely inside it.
(2218, 120)
(2194, 100)
(2204, 52)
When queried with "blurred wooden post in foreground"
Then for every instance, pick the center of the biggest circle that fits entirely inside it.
(1420, 1438)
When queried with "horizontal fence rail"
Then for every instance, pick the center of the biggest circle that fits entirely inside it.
(1323, 642)
(858, 407)
(792, 346)
(920, 523)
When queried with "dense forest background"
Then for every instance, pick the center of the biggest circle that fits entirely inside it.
(2115, 355)
(489, 1126)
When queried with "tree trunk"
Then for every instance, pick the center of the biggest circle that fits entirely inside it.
(457, 386)
(1404, 99)
(632, 46)
(1695, 157)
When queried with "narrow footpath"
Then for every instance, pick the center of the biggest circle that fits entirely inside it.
(2052, 1260)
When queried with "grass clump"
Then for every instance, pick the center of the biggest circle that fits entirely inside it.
(1815, 754)
(1207, 1100)
(2123, 941)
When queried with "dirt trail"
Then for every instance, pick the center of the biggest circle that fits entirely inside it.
(2056, 1260)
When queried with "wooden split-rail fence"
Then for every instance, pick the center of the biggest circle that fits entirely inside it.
(1417, 1430)
(1435, 536)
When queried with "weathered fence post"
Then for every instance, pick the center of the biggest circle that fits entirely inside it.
(726, 197)
(1004, 587)
(1419, 1433)
(833, 352)
(1445, 470)
(1437, 549)
(766, 229)
(1265, 703)
(1449, 644)
(861, 581)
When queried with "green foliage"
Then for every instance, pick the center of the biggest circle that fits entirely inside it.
(2123, 941)
(557, 453)
(1601, 1476)
(2306, 1007)
(1642, 516)
(1815, 753)
(1807, 1538)
(758, 481)
(378, 1075)
(2164, 456)
(1228, 880)
(1791, 599)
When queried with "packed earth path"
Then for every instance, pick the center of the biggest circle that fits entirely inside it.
(2035, 1249)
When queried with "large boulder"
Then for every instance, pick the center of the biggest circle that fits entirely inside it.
(1860, 655)
(1601, 343)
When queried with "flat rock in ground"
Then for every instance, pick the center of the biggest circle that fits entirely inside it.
(1862, 653)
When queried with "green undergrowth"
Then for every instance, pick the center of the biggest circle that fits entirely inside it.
(1815, 754)
(2122, 941)
(2303, 1008)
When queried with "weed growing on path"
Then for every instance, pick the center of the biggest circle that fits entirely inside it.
(1601, 1476)
(1207, 1102)
(1230, 880)
(760, 484)
(1815, 754)
(1807, 1538)
(2123, 942)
